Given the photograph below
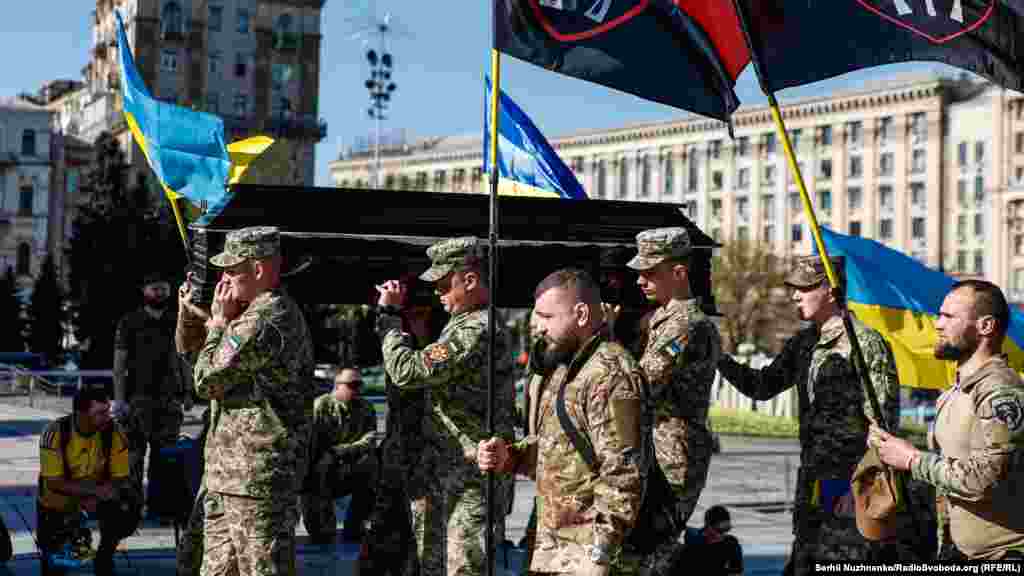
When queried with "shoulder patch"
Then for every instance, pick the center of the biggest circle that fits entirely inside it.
(1007, 409)
(436, 354)
(676, 346)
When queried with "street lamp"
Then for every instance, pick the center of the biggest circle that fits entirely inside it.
(380, 87)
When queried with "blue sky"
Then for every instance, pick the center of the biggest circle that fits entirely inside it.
(439, 71)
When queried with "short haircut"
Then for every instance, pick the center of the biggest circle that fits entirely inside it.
(579, 282)
(481, 268)
(716, 514)
(86, 396)
(988, 301)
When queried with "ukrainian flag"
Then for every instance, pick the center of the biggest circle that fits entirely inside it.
(900, 297)
(185, 148)
(527, 164)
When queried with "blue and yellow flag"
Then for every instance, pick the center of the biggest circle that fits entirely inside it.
(527, 164)
(185, 148)
(900, 297)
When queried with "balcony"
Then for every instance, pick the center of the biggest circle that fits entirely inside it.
(286, 41)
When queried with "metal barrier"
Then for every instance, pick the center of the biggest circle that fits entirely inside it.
(45, 389)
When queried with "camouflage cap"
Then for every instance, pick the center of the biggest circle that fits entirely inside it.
(248, 244)
(808, 271)
(658, 245)
(453, 254)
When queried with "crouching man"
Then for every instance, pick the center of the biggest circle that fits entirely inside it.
(83, 460)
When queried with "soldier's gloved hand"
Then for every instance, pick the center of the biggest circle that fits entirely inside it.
(119, 410)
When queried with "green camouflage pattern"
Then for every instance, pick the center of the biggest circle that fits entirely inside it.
(248, 244)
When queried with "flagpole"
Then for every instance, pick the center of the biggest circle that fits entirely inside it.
(812, 220)
(492, 280)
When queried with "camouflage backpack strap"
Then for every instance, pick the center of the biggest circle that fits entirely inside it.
(582, 445)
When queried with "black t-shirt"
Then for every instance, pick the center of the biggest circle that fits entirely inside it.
(149, 343)
(717, 559)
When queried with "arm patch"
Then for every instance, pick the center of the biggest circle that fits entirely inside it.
(436, 355)
(676, 347)
(1007, 409)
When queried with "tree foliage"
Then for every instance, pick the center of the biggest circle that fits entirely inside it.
(755, 307)
(45, 313)
(11, 324)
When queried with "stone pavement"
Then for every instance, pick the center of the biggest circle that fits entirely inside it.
(753, 478)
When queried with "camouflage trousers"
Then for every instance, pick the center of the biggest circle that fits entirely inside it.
(190, 543)
(356, 477)
(156, 423)
(828, 539)
(249, 536)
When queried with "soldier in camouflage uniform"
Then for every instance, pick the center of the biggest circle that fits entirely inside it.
(583, 515)
(979, 429)
(343, 460)
(455, 370)
(257, 363)
(834, 414)
(679, 362)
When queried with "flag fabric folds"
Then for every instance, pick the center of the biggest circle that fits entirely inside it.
(683, 53)
(900, 297)
(185, 148)
(527, 164)
(800, 42)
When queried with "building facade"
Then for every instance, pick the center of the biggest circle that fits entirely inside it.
(25, 181)
(933, 167)
(255, 63)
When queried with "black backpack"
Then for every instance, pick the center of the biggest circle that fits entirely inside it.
(658, 521)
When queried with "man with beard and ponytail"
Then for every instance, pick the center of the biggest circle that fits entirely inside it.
(978, 440)
(584, 509)
(150, 386)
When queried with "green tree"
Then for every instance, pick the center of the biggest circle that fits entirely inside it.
(46, 312)
(11, 323)
(748, 284)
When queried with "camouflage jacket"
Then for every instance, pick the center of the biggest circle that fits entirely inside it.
(455, 369)
(260, 371)
(344, 429)
(680, 361)
(576, 506)
(833, 408)
(979, 428)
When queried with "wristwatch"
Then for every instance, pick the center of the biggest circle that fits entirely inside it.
(599, 554)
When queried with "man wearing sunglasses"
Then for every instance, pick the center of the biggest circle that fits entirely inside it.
(454, 368)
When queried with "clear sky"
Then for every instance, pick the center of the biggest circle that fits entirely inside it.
(439, 67)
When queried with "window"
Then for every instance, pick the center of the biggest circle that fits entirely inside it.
(645, 176)
(918, 126)
(623, 177)
(794, 139)
(23, 266)
(796, 233)
(283, 24)
(1019, 142)
(214, 63)
(917, 228)
(768, 208)
(961, 192)
(440, 181)
(742, 234)
(794, 201)
(885, 229)
(854, 197)
(854, 133)
(25, 199)
(169, 60)
(716, 180)
(1019, 174)
(743, 146)
(742, 207)
(240, 65)
(885, 164)
(768, 234)
(825, 135)
(769, 175)
(917, 161)
(716, 208)
(825, 201)
(979, 190)
(855, 228)
(743, 178)
(602, 179)
(979, 262)
(825, 168)
(243, 21)
(885, 197)
(961, 228)
(917, 194)
(213, 102)
(691, 209)
(241, 105)
(961, 261)
(979, 225)
(769, 142)
(856, 166)
(979, 152)
(885, 130)
(961, 154)
(670, 174)
(28, 143)
(692, 173)
(216, 18)
(170, 20)
(715, 149)
(1018, 245)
